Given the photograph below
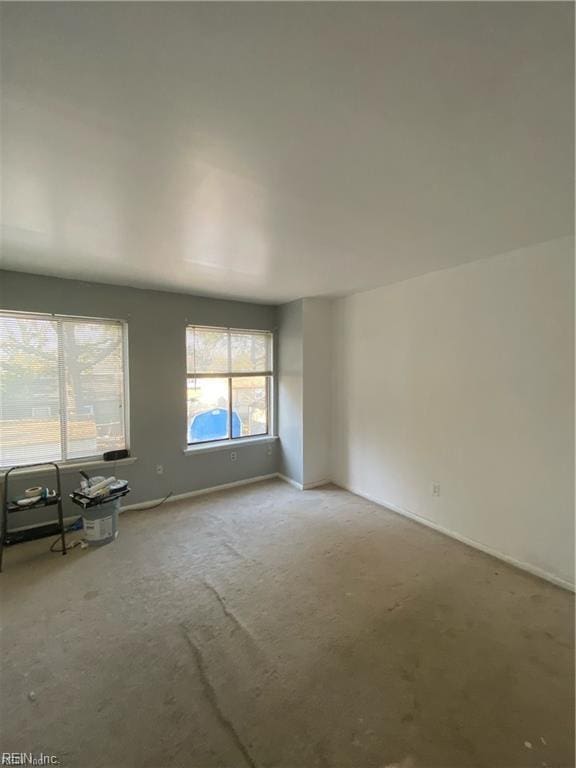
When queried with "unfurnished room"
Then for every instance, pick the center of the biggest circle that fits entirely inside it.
(287, 384)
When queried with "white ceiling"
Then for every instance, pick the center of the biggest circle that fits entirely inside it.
(274, 151)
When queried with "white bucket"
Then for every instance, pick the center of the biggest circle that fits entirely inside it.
(101, 523)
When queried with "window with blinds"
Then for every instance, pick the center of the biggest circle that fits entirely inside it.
(229, 391)
(62, 388)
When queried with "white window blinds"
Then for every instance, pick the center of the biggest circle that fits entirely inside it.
(62, 388)
(225, 352)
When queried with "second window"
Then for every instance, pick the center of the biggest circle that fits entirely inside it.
(229, 383)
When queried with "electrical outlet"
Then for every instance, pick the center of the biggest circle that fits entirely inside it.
(435, 489)
(159, 469)
(233, 456)
(269, 449)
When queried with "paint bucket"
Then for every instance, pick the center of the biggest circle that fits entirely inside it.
(101, 523)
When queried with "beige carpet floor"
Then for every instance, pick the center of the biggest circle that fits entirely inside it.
(267, 627)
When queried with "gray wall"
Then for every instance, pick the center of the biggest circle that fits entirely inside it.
(290, 389)
(157, 369)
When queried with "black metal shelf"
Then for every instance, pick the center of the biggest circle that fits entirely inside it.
(49, 502)
(10, 506)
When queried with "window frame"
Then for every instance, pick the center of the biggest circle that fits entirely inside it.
(59, 319)
(268, 375)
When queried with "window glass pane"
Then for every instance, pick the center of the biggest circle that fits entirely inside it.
(94, 376)
(207, 350)
(250, 403)
(29, 393)
(208, 410)
(250, 352)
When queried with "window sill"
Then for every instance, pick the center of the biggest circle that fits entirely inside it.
(226, 445)
(72, 466)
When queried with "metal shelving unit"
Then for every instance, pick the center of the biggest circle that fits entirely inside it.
(9, 507)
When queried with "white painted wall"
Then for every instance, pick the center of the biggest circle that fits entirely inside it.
(290, 390)
(305, 390)
(466, 377)
(317, 401)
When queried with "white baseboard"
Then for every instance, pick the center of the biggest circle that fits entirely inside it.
(213, 489)
(315, 484)
(533, 569)
(303, 486)
(291, 482)
(200, 492)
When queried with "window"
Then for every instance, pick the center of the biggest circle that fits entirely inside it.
(62, 388)
(229, 383)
